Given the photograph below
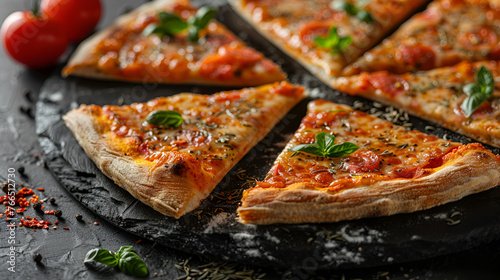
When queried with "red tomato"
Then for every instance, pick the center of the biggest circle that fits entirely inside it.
(77, 17)
(419, 56)
(364, 161)
(33, 41)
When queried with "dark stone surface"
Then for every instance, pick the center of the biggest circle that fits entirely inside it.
(63, 250)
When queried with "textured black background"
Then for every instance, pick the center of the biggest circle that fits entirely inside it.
(63, 251)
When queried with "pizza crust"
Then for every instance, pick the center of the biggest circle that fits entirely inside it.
(475, 171)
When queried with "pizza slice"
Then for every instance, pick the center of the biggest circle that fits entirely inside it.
(464, 98)
(170, 41)
(324, 35)
(343, 164)
(171, 152)
(446, 33)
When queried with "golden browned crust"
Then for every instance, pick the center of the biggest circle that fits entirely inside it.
(475, 171)
(81, 62)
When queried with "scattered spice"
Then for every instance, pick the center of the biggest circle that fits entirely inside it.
(66, 228)
(96, 223)
(58, 213)
(41, 189)
(218, 270)
(79, 217)
(139, 241)
(21, 170)
(48, 212)
(37, 257)
(52, 200)
(34, 223)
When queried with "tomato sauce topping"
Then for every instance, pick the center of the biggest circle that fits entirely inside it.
(419, 56)
(389, 84)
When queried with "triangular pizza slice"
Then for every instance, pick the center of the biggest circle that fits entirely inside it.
(325, 35)
(171, 152)
(343, 164)
(170, 41)
(464, 98)
(446, 33)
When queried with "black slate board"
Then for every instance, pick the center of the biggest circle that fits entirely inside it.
(214, 231)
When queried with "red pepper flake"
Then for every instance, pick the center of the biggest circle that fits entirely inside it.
(48, 212)
(96, 223)
(35, 223)
(139, 241)
(42, 207)
(21, 210)
(56, 222)
(41, 189)
(1, 215)
(66, 228)
(54, 227)
(35, 156)
(34, 199)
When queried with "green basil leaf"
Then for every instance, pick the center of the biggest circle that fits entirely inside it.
(322, 42)
(342, 149)
(165, 118)
(471, 88)
(365, 16)
(123, 250)
(344, 42)
(325, 146)
(203, 16)
(103, 256)
(172, 23)
(472, 102)
(488, 90)
(130, 263)
(193, 34)
(333, 41)
(308, 148)
(484, 78)
(347, 7)
(329, 141)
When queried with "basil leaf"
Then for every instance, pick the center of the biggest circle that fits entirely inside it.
(471, 88)
(308, 148)
(479, 92)
(325, 146)
(484, 77)
(333, 41)
(130, 263)
(103, 256)
(165, 118)
(342, 149)
(472, 102)
(203, 16)
(347, 7)
(123, 250)
(344, 42)
(193, 33)
(172, 23)
(365, 16)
